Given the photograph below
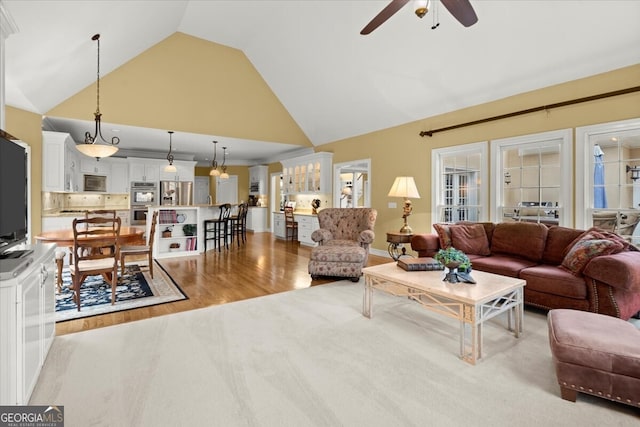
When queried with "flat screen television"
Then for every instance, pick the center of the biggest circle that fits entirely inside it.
(14, 184)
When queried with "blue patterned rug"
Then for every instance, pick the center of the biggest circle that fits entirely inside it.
(135, 289)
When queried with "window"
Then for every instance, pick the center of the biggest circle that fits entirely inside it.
(608, 161)
(459, 179)
(532, 178)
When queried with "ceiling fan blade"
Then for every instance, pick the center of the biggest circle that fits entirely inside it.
(384, 14)
(462, 11)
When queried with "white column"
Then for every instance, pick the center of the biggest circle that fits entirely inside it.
(7, 27)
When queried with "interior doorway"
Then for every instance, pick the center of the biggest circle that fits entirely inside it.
(351, 184)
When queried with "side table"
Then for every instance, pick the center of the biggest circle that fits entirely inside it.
(396, 244)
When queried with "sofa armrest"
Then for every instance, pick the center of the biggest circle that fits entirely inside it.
(367, 236)
(621, 270)
(321, 235)
(425, 244)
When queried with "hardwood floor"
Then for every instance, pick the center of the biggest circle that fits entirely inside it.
(262, 266)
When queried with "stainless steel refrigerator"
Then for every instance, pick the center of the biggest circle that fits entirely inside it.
(174, 193)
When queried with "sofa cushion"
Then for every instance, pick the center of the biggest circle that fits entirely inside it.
(444, 234)
(552, 280)
(586, 249)
(504, 265)
(470, 239)
(559, 240)
(523, 239)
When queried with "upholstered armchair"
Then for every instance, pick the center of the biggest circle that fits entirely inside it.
(344, 237)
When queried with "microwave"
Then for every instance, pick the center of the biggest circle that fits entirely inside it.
(95, 183)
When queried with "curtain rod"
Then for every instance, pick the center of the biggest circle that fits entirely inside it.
(533, 110)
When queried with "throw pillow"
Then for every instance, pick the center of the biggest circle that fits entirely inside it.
(443, 235)
(611, 236)
(585, 250)
(470, 239)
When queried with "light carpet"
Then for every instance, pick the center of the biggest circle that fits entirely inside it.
(135, 289)
(309, 358)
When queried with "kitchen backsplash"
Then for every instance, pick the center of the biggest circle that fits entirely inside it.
(57, 201)
(303, 201)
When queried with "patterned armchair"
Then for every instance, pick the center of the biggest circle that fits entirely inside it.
(344, 237)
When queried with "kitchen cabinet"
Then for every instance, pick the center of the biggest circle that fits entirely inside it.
(307, 224)
(118, 178)
(258, 180)
(279, 225)
(27, 326)
(257, 219)
(144, 170)
(91, 166)
(185, 171)
(59, 162)
(309, 174)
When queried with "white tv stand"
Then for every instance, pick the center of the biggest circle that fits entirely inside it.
(27, 324)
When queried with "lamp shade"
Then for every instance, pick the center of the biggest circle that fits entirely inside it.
(97, 150)
(170, 168)
(404, 186)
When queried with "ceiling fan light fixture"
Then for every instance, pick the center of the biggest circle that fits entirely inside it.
(170, 167)
(91, 147)
(421, 7)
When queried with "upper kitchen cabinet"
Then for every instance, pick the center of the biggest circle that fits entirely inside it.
(143, 170)
(92, 166)
(59, 162)
(307, 174)
(118, 180)
(185, 171)
(258, 179)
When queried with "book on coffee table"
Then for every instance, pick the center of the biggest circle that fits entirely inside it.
(419, 264)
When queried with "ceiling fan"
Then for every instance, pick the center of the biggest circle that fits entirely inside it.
(460, 9)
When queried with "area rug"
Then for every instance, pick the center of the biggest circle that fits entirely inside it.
(310, 358)
(135, 289)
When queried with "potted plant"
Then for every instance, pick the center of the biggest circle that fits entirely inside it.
(189, 229)
(453, 259)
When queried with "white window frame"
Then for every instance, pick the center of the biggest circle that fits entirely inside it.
(437, 174)
(566, 167)
(585, 162)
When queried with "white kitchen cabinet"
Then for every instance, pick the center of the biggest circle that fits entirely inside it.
(27, 326)
(307, 224)
(258, 180)
(143, 170)
(59, 162)
(118, 178)
(92, 166)
(185, 171)
(309, 174)
(279, 225)
(125, 217)
(257, 219)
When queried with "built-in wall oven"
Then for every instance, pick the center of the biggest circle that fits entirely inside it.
(143, 194)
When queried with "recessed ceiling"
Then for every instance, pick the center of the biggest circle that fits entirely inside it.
(334, 82)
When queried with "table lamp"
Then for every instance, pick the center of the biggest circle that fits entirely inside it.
(405, 186)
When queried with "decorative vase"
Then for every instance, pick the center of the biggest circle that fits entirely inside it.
(452, 270)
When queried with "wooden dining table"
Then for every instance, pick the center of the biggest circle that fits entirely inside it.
(64, 238)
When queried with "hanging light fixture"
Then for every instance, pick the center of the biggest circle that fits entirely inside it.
(91, 147)
(214, 164)
(170, 167)
(224, 174)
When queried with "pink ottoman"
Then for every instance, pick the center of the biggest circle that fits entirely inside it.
(595, 354)
(337, 261)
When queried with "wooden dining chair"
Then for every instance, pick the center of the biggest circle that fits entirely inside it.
(141, 249)
(90, 237)
(291, 224)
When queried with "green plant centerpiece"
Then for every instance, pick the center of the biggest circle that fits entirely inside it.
(453, 259)
(189, 229)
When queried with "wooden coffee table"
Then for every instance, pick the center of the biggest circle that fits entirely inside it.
(471, 304)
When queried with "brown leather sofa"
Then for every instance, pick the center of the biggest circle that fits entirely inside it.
(591, 270)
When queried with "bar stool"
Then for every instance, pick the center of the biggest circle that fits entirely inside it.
(238, 224)
(291, 224)
(219, 227)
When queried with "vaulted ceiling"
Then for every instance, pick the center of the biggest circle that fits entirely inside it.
(332, 81)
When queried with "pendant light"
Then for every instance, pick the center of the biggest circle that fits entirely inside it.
(91, 146)
(224, 174)
(170, 167)
(214, 164)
